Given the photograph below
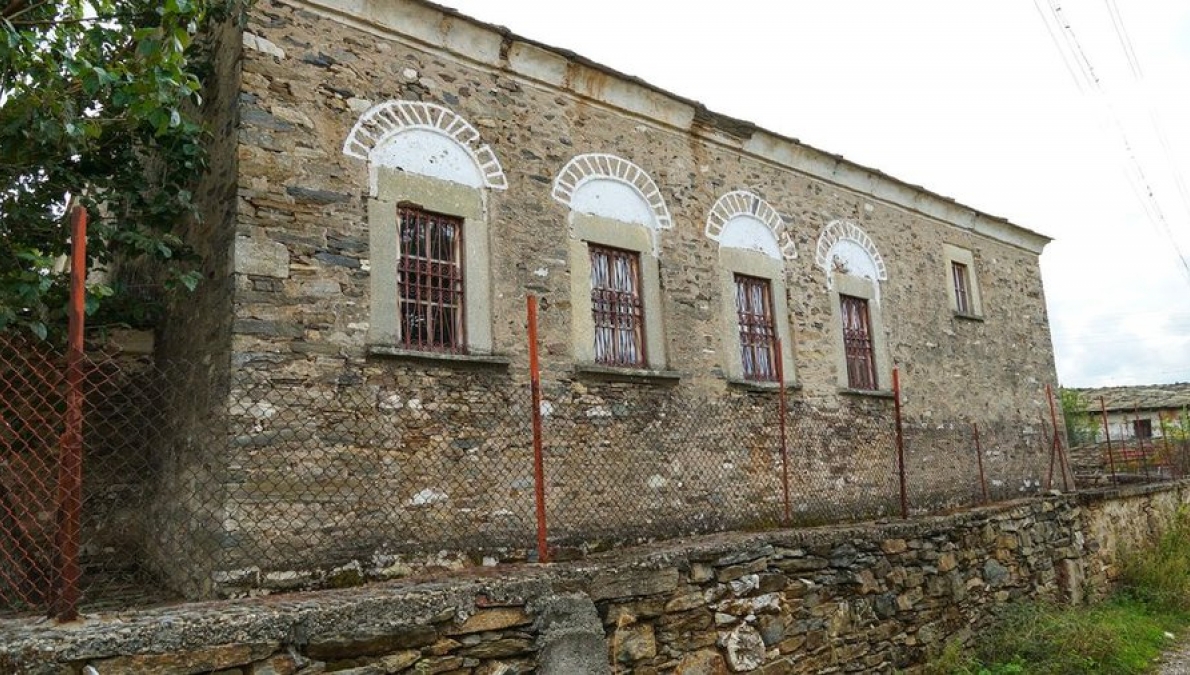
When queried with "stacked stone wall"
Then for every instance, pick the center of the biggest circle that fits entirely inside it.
(194, 347)
(871, 598)
(307, 315)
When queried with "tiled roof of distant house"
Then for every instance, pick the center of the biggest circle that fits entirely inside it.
(1146, 397)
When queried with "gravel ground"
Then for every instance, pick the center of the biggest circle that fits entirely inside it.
(1176, 661)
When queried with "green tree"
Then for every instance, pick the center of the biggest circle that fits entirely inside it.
(1177, 427)
(98, 99)
(1081, 427)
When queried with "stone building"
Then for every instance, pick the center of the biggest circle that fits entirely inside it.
(391, 179)
(1139, 412)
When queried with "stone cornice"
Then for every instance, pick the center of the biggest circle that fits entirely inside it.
(498, 48)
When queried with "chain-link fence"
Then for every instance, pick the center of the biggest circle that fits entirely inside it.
(304, 484)
(1134, 460)
(116, 402)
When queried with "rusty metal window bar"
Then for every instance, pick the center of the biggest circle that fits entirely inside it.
(857, 343)
(962, 287)
(616, 307)
(430, 281)
(758, 338)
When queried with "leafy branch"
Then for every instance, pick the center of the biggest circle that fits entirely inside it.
(100, 101)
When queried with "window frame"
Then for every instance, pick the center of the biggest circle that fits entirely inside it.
(954, 255)
(587, 230)
(1144, 425)
(859, 350)
(617, 311)
(733, 261)
(961, 277)
(394, 188)
(757, 328)
(843, 284)
(445, 271)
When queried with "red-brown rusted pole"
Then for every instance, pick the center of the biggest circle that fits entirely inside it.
(538, 458)
(784, 448)
(70, 462)
(1111, 459)
(1184, 422)
(900, 442)
(1140, 442)
(1049, 479)
(1173, 466)
(1049, 392)
(983, 483)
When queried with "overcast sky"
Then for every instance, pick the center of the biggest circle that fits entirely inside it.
(991, 103)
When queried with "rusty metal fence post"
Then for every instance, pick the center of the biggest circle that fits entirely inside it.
(1056, 450)
(1111, 458)
(983, 482)
(1140, 442)
(783, 410)
(538, 458)
(900, 442)
(70, 462)
(1166, 454)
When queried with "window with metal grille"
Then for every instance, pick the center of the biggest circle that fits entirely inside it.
(962, 287)
(616, 307)
(758, 339)
(430, 281)
(857, 343)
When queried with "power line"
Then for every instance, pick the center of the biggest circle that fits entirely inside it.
(1129, 49)
(1057, 45)
(1138, 74)
(1179, 182)
(1080, 57)
(1142, 188)
(1117, 23)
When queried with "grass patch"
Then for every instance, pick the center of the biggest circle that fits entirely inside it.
(1122, 635)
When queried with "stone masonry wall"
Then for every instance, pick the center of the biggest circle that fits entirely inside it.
(872, 598)
(306, 316)
(194, 347)
(301, 304)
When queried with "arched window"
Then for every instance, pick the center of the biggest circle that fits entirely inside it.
(429, 174)
(753, 247)
(854, 269)
(616, 214)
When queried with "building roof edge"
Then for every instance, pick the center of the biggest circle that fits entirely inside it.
(498, 46)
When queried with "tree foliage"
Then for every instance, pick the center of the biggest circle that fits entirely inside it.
(98, 99)
(1081, 427)
(1176, 427)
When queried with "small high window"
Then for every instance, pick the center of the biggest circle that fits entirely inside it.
(857, 343)
(616, 307)
(962, 287)
(430, 281)
(758, 338)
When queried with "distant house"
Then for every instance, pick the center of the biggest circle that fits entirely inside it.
(1140, 412)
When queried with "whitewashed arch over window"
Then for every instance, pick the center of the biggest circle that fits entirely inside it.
(741, 219)
(426, 139)
(611, 187)
(843, 246)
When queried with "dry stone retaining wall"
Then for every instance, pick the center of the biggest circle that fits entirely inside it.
(871, 598)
